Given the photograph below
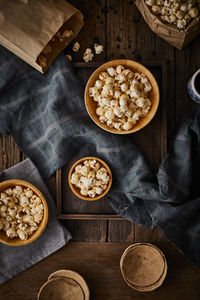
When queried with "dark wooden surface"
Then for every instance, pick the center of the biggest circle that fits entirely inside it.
(118, 25)
(98, 263)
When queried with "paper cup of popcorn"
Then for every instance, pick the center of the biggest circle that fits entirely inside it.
(122, 96)
(23, 213)
(90, 178)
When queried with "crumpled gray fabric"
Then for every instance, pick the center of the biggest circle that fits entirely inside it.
(14, 260)
(47, 117)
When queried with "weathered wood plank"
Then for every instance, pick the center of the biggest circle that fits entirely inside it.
(9, 153)
(131, 38)
(93, 31)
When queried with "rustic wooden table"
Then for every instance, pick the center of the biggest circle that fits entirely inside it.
(98, 245)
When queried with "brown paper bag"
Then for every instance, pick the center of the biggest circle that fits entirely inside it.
(178, 38)
(27, 26)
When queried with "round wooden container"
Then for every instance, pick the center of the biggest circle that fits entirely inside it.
(16, 241)
(154, 95)
(143, 267)
(64, 284)
(76, 190)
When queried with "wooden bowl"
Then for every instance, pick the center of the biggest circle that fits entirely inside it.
(143, 267)
(16, 241)
(154, 95)
(74, 276)
(61, 288)
(76, 190)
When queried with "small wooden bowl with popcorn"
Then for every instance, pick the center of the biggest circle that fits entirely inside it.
(90, 178)
(23, 213)
(122, 96)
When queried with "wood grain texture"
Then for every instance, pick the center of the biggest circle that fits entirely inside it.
(98, 263)
(119, 26)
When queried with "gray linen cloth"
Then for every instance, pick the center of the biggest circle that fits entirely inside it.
(14, 260)
(47, 117)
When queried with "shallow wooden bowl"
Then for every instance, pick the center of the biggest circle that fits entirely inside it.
(74, 276)
(143, 267)
(61, 288)
(154, 95)
(76, 190)
(16, 241)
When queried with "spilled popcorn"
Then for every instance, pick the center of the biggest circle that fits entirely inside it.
(98, 48)
(177, 12)
(76, 47)
(88, 55)
(21, 212)
(91, 178)
(121, 96)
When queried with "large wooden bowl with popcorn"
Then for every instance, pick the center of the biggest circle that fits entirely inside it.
(122, 96)
(23, 213)
(90, 178)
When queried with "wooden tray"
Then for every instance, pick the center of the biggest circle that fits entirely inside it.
(151, 140)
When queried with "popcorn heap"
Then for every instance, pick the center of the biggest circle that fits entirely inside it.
(21, 212)
(177, 12)
(90, 178)
(121, 96)
(63, 37)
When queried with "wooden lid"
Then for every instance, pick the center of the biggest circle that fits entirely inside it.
(62, 289)
(143, 266)
(74, 276)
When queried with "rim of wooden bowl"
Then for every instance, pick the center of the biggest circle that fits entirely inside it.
(154, 95)
(15, 242)
(75, 276)
(60, 279)
(75, 190)
(155, 284)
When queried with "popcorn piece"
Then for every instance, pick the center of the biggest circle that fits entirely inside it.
(128, 125)
(76, 47)
(194, 12)
(103, 76)
(18, 217)
(150, 2)
(98, 49)
(84, 192)
(111, 71)
(99, 84)
(88, 55)
(11, 233)
(120, 69)
(181, 24)
(156, 9)
(67, 34)
(94, 181)
(91, 193)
